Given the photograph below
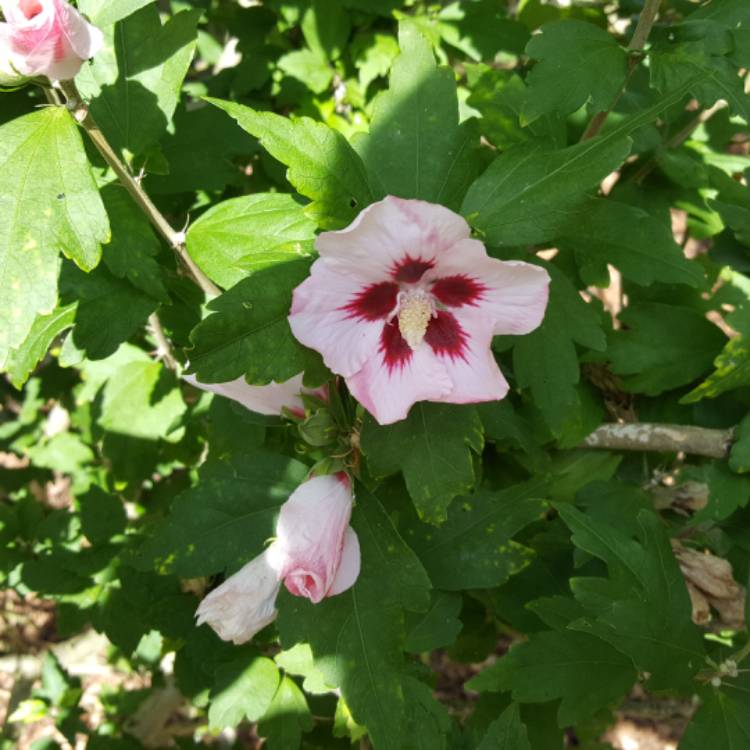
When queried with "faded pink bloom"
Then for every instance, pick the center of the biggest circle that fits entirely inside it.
(404, 304)
(264, 399)
(45, 38)
(315, 553)
(245, 603)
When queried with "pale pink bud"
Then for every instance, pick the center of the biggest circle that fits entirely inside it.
(245, 603)
(268, 399)
(316, 552)
(45, 38)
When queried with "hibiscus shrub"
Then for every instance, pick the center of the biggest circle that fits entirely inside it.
(376, 371)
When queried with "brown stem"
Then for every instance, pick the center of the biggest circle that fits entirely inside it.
(662, 438)
(164, 349)
(637, 43)
(176, 240)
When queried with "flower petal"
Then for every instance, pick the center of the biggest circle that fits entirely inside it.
(513, 294)
(245, 603)
(322, 319)
(396, 378)
(387, 234)
(262, 399)
(310, 535)
(471, 367)
(348, 571)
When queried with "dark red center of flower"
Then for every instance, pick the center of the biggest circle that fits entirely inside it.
(396, 352)
(374, 302)
(444, 336)
(456, 291)
(410, 270)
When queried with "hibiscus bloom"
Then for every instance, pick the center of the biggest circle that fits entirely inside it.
(315, 554)
(269, 399)
(404, 304)
(45, 38)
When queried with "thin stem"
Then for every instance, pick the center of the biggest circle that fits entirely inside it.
(637, 43)
(662, 438)
(678, 139)
(175, 239)
(164, 349)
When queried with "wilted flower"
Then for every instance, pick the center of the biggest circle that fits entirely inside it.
(44, 38)
(404, 305)
(264, 399)
(245, 603)
(315, 554)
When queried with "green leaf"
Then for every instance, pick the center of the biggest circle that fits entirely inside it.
(373, 55)
(583, 671)
(248, 333)
(105, 12)
(723, 720)
(65, 452)
(726, 491)
(739, 457)
(244, 689)
(664, 347)
(433, 448)
(45, 329)
(474, 548)
(242, 235)
(286, 718)
(530, 192)
(732, 371)
(546, 360)
(644, 608)
(640, 246)
(579, 63)
(102, 297)
(358, 637)
(438, 627)
(102, 515)
(507, 732)
(224, 521)
(142, 400)
(416, 147)
(481, 29)
(134, 247)
(322, 165)
(134, 83)
(325, 26)
(308, 67)
(713, 77)
(428, 723)
(49, 204)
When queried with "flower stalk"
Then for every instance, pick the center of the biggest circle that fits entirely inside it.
(176, 240)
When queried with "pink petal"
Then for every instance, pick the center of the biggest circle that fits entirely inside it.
(310, 535)
(376, 245)
(348, 571)
(84, 39)
(321, 320)
(262, 399)
(388, 386)
(245, 603)
(473, 371)
(513, 293)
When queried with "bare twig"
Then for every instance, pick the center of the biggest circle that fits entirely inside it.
(164, 349)
(175, 239)
(637, 43)
(662, 438)
(678, 139)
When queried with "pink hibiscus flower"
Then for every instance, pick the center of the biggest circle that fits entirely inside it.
(404, 304)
